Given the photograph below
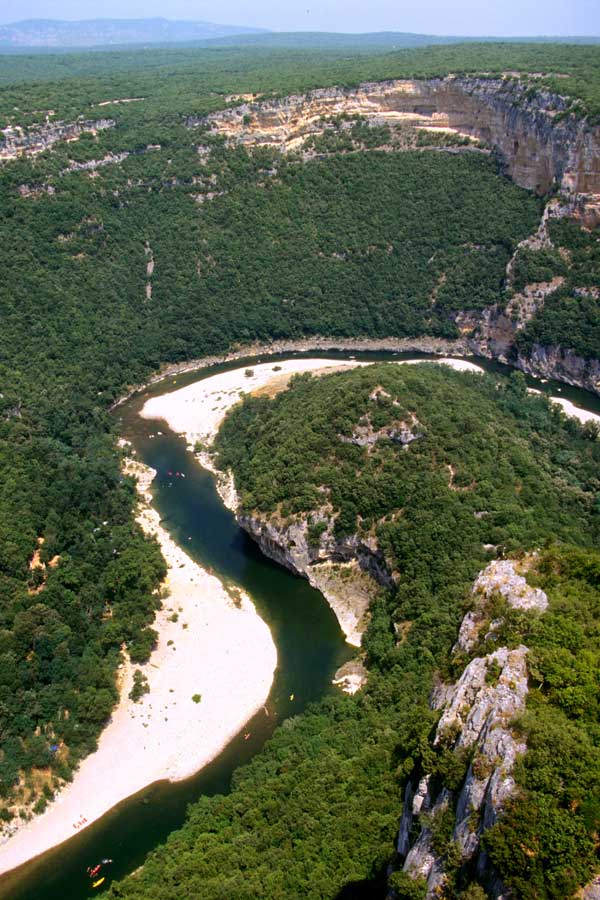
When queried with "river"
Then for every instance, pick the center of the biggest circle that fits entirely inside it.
(309, 641)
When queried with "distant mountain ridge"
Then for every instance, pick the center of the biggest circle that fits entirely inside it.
(101, 32)
(383, 40)
(60, 35)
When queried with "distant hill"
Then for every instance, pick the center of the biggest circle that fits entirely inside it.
(57, 34)
(383, 40)
(52, 35)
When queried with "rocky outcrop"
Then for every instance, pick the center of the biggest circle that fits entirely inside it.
(348, 571)
(92, 164)
(540, 239)
(150, 262)
(539, 140)
(475, 724)
(491, 333)
(478, 713)
(16, 141)
(562, 365)
(351, 677)
(35, 190)
(402, 431)
(504, 577)
(592, 890)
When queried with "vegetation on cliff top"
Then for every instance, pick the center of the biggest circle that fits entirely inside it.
(570, 315)
(320, 248)
(189, 81)
(301, 249)
(317, 811)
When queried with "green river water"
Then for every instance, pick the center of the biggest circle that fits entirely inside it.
(310, 647)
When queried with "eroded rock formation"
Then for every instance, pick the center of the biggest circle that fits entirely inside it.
(92, 164)
(476, 716)
(348, 571)
(491, 333)
(539, 141)
(28, 141)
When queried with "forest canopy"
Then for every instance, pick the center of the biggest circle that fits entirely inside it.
(259, 246)
(318, 809)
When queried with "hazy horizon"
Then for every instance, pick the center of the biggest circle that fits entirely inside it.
(511, 18)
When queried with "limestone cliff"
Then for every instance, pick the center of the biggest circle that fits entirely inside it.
(539, 139)
(475, 722)
(348, 571)
(28, 141)
(491, 333)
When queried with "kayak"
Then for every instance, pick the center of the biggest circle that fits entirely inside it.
(99, 882)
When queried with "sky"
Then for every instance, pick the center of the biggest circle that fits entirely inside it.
(456, 17)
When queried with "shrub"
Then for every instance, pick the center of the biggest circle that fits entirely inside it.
(140, 686)
(407, 888)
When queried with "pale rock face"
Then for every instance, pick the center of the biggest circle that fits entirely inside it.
(322, 564)
(538, 152)
(476, 713)
(592, 890)
(562, 365)
(92, 164)
(415, 802)
(491, 333)
(475, 706)
(500, 577)
(403, 842)
(421, 857)
(18, 141)
(351, 677)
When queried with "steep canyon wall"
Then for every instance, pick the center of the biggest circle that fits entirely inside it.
(18, 141)
(540, 143)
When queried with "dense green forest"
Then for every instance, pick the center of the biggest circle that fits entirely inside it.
(326, 252)
(570, 316)
(318, 809)
(282, 462)
(320, 249)
(190, 81)
(245, 246)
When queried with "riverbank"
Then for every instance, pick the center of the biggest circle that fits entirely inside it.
(66, 812)
(436, 346)
(211, 671)
(197, 412)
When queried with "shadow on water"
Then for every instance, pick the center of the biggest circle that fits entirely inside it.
(309, 643)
